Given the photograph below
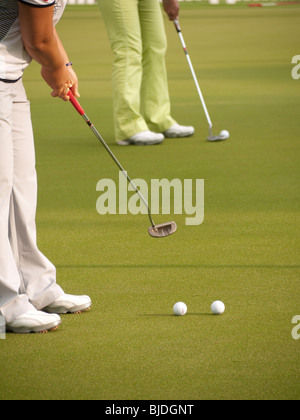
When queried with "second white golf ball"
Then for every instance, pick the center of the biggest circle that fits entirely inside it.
(180, 309)
(225, 134)
(218, 307)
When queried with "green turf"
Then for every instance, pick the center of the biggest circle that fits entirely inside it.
(246, 253)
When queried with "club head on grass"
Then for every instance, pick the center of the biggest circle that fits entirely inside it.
(217, 138)
(224, 135)
(163, 230)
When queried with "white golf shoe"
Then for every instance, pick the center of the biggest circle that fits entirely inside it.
(69, 304)
(34, 322)
(145, 138)
(177, 131)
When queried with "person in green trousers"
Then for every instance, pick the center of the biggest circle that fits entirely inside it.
(142, 110)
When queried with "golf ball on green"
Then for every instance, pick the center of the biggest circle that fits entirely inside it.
(180, 309)
(218, 307)
(225, 134)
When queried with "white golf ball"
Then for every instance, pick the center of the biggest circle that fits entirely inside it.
(180, 309)
(218, 307)
(225, 133)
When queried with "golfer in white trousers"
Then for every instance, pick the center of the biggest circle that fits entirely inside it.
(30, 299)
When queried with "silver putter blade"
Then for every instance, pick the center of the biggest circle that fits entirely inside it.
(163, 230)
(217, 138)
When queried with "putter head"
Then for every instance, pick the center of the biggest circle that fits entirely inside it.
(217, 138)
(163, 230)
(224, 135)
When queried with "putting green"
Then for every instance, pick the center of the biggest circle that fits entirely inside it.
(246, 253)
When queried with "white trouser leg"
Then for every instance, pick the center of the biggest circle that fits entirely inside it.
(27, 278)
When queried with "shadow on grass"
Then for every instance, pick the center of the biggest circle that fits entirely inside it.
(175, 316)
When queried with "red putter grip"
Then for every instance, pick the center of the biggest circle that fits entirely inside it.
(75, 103)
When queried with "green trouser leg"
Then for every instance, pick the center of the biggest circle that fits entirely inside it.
(140, 87)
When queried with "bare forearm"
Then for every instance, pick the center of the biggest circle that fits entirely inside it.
(42, 46)
(61, 48)
(46, 54)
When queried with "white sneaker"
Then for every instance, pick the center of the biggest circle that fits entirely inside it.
(34, 322)
(177, 131)
(69, 304)
(145, 138)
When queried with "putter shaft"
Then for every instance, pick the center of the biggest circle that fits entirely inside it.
(80, 110)
(178, 29)
(99, 137)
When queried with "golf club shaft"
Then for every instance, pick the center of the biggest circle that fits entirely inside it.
(178, 29)
(80, 110)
